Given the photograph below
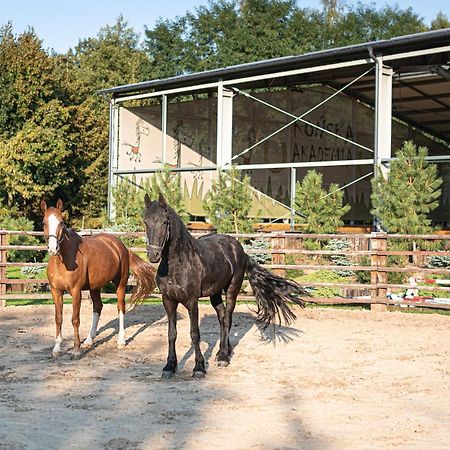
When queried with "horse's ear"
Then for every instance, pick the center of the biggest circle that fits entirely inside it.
(60, 205)
(43, 206)
(162, 200)
(147, 201)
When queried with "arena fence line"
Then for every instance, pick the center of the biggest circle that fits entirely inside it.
(289, 252)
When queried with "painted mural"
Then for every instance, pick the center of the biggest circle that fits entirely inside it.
(191, 142)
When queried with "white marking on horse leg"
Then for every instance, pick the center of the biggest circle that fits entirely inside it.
(53, 223)
(93, 332)
(121, 338)
(57, 348)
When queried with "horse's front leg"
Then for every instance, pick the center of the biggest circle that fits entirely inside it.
(97, 307)
(171, 310)
(58, 301)
(76, 306)
(199, 368)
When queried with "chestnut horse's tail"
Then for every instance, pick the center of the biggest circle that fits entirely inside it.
(273, 294)
(145, 278)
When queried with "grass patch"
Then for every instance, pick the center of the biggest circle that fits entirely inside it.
(324, 276)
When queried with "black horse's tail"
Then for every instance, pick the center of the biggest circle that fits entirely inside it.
(273, 294)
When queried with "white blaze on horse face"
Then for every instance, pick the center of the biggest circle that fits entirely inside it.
(121, 337)
(53, 223)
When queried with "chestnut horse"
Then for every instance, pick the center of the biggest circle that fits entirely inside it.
(89, 263)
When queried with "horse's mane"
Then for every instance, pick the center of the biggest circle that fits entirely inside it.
(180, 237)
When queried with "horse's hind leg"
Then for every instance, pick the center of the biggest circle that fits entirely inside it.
(225, 351)
(58, 301)
(97, 307)
(121, 341)
(216, 301)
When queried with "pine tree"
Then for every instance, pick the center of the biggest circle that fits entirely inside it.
(322, 210)
(168, 183)
(404, 200)
(129, 204)
(229, 201)
(129, 197)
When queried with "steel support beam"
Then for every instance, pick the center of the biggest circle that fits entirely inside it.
(113, 155)
(224, 126)
(293, 183)
(164, 128)
(383, 113)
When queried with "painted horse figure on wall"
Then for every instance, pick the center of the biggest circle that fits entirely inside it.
(207, 267)
(88, 263)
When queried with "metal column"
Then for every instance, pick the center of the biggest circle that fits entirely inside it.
(293, 186)
(383, 114)
(224, 126)
(164, 129)
(113, 155)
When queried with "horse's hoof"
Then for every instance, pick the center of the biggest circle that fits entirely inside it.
(55, 354)
(121, 344)
(222, 363)
(75, 354)
(166, 375)
(86, 343)
(198, 375)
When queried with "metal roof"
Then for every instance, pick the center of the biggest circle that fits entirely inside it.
(421, 84)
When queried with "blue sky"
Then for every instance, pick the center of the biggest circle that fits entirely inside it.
(61, 23)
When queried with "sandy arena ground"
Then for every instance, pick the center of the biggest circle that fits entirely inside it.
(343, 379)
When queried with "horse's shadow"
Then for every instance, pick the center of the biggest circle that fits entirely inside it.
(139, 315)
(242, 323)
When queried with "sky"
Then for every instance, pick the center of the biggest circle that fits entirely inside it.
(62, 23)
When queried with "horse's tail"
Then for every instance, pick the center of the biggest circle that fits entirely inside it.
(273, 294)
(145, 278)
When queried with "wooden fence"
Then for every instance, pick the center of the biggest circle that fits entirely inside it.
(362, 253)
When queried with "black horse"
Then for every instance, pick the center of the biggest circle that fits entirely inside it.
(191, 268)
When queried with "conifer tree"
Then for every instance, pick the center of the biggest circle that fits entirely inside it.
(404, 200)
(129, 204)
(168, 183)
(129, 197)
(229, 201)
(322, 211)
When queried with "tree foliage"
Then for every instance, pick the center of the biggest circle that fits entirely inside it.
(404, 200)
(322, 211)
(54, 125)
(168, 183)
(229, 201)
(224, 33)
(26, 81)
(34, 162)
(129, 197)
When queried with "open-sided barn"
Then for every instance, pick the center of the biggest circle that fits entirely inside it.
(341, 111)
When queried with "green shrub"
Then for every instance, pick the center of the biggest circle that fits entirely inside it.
(363, 276)
(324, 276)
(340, 260)
(262, 245)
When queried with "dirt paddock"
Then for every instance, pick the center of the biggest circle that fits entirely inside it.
(339, 379)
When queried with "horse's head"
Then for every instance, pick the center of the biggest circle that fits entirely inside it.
(156, 219)
(53, 225)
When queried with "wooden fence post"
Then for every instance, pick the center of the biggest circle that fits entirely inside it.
(278, 243)
(2, 269)
(378, 243)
